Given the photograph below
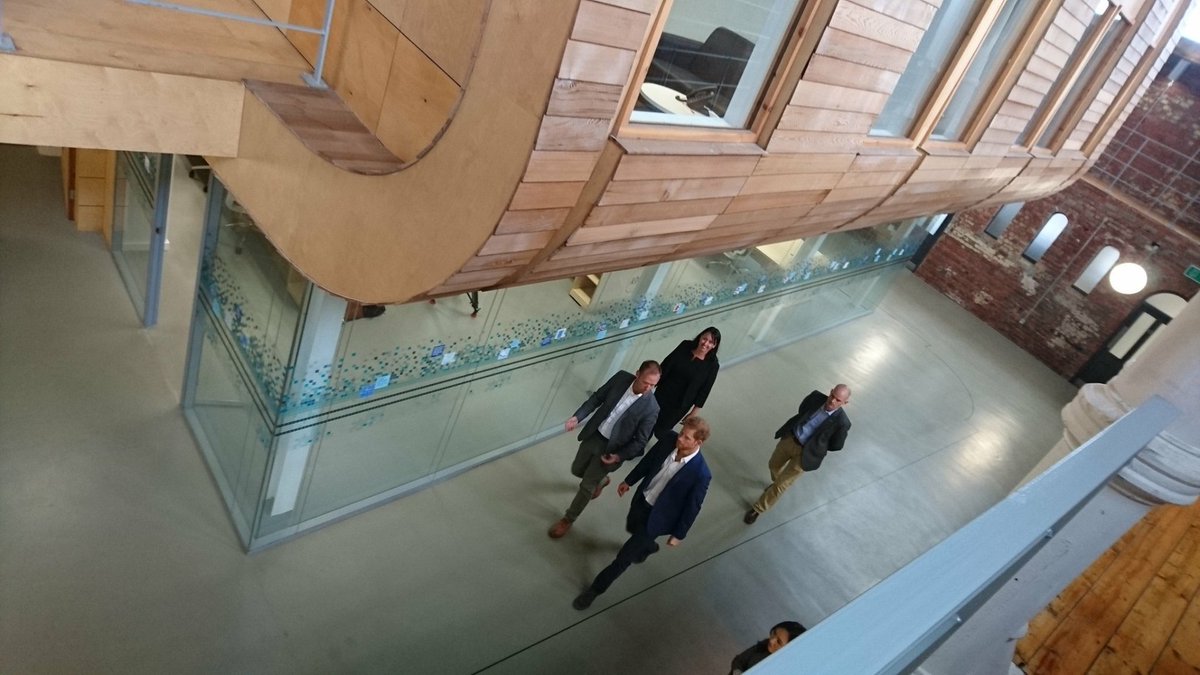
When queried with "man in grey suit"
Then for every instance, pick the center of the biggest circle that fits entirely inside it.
(625, 414)
(818, 427)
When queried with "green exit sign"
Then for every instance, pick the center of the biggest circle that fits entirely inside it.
(1193, 273)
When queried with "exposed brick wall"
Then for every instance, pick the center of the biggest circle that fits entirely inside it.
(1035, 304)
(1155, 156)
(1154, 159)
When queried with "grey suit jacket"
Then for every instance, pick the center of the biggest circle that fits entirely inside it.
(632, 431)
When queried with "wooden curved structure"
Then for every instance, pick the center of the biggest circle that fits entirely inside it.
(510, 118)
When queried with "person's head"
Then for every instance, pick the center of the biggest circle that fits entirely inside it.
(782, 634)
(838, 397)
(695, 431)
(707, 342)
(647, 376)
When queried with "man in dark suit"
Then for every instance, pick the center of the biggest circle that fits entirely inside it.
(625, 414)
(819, 427)
(672, 480)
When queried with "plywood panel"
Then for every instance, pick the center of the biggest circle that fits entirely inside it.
(448, 32)
(359, 63)
(73, 105)
(121, 35)
(418, 103)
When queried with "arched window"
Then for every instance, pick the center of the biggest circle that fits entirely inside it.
(1095, 271)
(1000, 222)
(1054, 226)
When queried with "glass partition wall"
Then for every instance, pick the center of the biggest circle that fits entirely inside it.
(306, 414)
(143, 186)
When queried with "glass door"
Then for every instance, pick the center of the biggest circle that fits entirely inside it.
(143, 185)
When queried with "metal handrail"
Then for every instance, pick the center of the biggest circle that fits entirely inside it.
(314, 79)
(894, 625)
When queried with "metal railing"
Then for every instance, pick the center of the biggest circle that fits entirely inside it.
(314, 79)
(893, 626)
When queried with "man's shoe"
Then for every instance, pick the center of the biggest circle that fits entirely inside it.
(560, 528)
(600, 488)
(748, 519)
(584, 599)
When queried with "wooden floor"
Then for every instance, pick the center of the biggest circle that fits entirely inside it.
(1135, 610)
(119, 34)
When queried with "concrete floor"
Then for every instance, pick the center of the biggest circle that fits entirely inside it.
(116, 553)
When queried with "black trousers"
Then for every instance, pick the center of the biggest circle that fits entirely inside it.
(639, 546)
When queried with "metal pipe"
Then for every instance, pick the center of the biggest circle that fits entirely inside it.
(235, 17)
(319, 69)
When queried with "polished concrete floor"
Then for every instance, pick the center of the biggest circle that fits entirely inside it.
(116, 554)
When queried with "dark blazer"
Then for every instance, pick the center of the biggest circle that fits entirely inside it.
(829, 437)
(679, 503)
(632, 431)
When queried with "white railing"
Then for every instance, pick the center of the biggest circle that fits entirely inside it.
(314, 79)
(893, 626)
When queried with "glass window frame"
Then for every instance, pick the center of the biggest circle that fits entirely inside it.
(1011, 63)
(797, 47)
(1078, 61)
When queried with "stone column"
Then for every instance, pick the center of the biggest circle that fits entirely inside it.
(1167, 471)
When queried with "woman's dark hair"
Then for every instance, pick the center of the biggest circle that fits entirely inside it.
(716, 335)
(793, 628)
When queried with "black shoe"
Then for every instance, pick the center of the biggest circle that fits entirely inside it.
(750, 517)
(584, 600)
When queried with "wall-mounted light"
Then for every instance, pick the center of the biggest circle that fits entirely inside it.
(1127, 278)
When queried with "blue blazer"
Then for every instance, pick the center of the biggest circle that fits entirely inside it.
(680, 501)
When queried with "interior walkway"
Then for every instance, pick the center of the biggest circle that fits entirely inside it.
(116, 554)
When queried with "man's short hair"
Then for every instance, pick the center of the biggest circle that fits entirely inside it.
(650, 367)
(700, 429)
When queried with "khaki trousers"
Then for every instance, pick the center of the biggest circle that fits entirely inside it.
(785, 469)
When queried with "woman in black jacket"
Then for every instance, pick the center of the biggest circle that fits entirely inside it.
(688, 374)
(780, 635)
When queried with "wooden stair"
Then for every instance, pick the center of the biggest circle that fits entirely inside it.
(327, 127)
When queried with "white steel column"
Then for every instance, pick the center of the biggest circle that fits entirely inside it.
(1167, 471)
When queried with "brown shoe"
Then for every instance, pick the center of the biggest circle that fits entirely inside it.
(600, 488)
(750, 517)
(560, 528)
